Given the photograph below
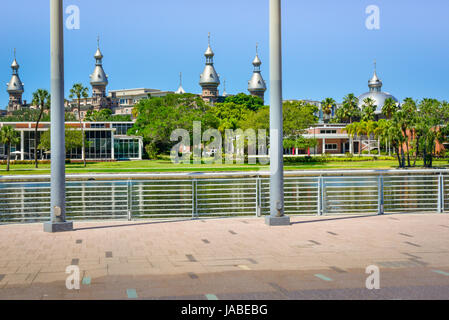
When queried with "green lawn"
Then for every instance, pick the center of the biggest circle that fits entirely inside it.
(166, 166)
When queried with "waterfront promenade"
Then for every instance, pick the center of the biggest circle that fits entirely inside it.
(231, 258)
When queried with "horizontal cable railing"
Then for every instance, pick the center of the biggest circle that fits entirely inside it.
(193, 196)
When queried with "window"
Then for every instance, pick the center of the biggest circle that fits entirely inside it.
(327, 131)
(331, 146)
(97, 125)
(122, 128)
(126, 148)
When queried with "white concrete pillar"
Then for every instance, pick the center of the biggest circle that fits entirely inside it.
(112, 146)
(22, 145)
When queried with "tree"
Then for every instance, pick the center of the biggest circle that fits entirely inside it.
(158, 117)
(396, 138)
(9, 136)
(230, 115)
(370, 127)
(351, 130)
(389, 108)
(326, 107)
(360, 130)
(25, 115)
(297, 117)
(105, 115)
(41, 99)
(349, 111)
(73, 140)
(250, 102)
(78, 91)
(380, 132)
(405, 118)
(368, 109)
(430, 117)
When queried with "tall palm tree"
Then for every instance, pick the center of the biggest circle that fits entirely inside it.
(8, 137)
(390, 107)
(370, 126)
(360, 130)
(78, 91)
(41, 99)
(368, 109)
(326, 106)
(406, 118)
(351, 130)
(380, 132)
(350, 109)
(396, 137)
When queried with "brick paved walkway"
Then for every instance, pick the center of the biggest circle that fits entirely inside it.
(235, 258)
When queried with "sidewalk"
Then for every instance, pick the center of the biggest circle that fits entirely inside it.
(230, 258)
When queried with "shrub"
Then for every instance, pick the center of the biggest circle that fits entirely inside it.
(26, 161)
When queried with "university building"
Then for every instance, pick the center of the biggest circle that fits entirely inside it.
(107, 141)
(332, 138)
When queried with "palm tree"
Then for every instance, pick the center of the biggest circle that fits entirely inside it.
(395, 136)
(351, 130)
(390, 107)
(350, 109)
(406, 118)
(8, 137)
(360, 129)
(326, 106)
(368, 109)
(78, 91)
(380, 132)
(41, 99)
(370, 127)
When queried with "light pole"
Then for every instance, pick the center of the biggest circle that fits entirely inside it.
(57, 197)
(276, 217)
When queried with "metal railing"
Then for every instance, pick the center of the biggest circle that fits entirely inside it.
(234, 194)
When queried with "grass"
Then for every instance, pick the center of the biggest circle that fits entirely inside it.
(151, 166)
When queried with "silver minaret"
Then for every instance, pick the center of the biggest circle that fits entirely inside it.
(257, 85)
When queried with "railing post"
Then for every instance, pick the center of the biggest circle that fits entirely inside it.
(194, 199)
(258, 197)
(319, 196)
(130, 200)
(380, 194)
(322, 197)
(440, 194)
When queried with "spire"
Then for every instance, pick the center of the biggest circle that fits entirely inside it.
(209, 54)
(256, 62)
(209, 75)
(15, 66)
(257, 85)
(375, 84)
(225, 94)
(98, 55)
(15, 85)
(98, 77)
(180, 89)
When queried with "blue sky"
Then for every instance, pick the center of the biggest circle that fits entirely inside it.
(328, 51)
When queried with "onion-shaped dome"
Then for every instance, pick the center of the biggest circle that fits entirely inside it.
(257, 83)
(15, 85)
(375, 93)
(209, 75)
(98, 77)
(378, 97)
